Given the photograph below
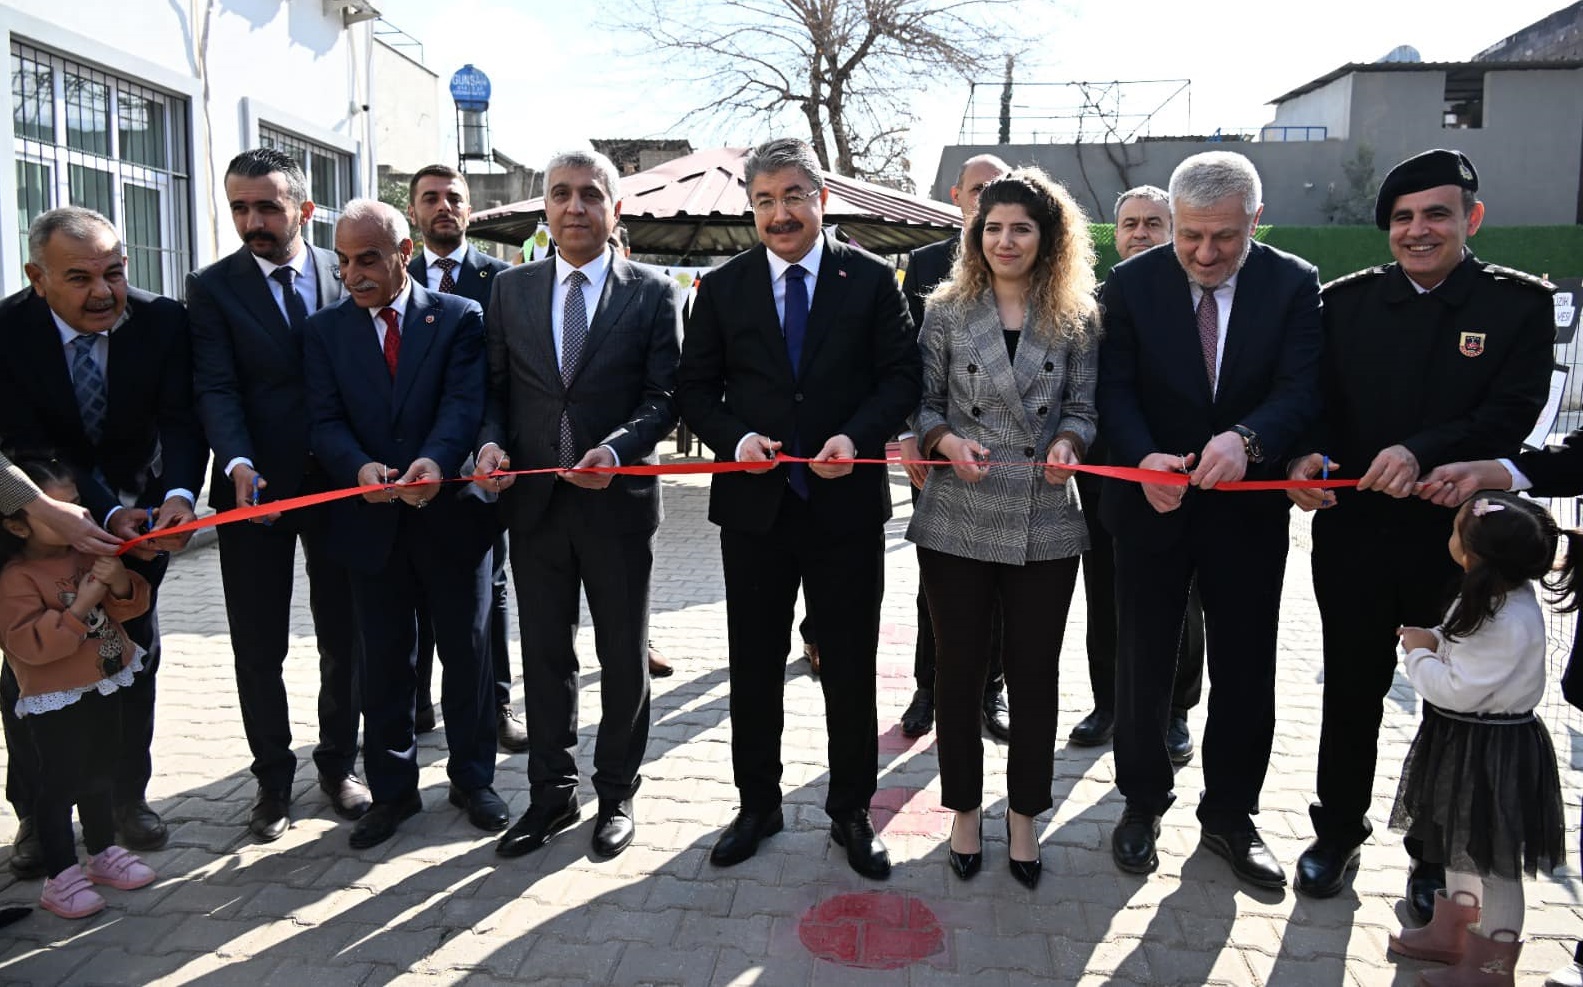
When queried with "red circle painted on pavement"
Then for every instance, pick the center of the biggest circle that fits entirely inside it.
(876, 930)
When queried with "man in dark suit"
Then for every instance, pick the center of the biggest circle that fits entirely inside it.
(440, 205)
(1209, 365)
(582, 365)
(1433, 358)
(248, 312)
(396, 378)
(926, 268)
(763, 372)
(99, 375)
(1143, 220)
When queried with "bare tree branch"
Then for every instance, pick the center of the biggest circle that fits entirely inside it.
(849, 68)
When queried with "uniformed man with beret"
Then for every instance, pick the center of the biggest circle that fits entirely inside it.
(1435, 358)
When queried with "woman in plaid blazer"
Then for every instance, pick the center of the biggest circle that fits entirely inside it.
(1010, 355)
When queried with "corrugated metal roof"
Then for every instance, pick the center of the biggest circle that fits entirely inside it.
(698, 205)
(1351, 67)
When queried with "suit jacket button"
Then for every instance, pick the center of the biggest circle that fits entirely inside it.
(1028, 451)
(975, 411)
(972, 368)
(797, 397)
(1044, 410)
(1048, 366)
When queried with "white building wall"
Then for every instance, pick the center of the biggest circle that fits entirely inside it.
(288, 65)
(1329, 106)
(410, 112)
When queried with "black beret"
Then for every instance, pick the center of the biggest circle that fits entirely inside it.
(1431, 169)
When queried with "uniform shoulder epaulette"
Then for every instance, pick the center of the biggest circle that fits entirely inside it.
(1523, 277)
(1356, 277)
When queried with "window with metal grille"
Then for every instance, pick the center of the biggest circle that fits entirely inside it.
(86, 137)
(329, 179)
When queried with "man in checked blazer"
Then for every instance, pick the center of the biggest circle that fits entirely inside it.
(582, 362)
(1209, 364)
(801, 345)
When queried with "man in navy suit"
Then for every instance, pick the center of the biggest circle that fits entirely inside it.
(99, 375)
(439, 204)
(1209, 366)
(248, 313)
(396, 378)
(804, 345)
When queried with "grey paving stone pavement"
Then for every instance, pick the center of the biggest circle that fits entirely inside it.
(436, 906)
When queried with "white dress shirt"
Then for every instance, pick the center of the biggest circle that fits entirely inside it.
(1223, 297)
(306, 280)
(399, 303)
(433, 272)
(595, 271)
(778, 268)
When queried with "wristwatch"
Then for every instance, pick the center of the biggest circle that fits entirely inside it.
(1250, 443)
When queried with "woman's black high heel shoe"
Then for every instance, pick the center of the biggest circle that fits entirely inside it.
(1025, 871)
(967, 864)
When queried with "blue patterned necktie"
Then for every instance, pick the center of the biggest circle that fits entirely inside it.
(795, 326)
(574, 335)
(87, 381)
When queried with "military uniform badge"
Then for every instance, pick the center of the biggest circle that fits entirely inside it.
(1472, 344)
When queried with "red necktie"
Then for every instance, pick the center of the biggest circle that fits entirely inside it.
(1209, 332)
(447, 283)
(392, 339)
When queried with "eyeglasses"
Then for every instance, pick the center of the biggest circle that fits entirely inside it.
(792, 201)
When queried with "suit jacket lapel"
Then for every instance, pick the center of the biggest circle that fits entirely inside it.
(829, 298)
(619, 289)
(250, 285)
(362, 343)
(770, 320)
(989, 342)
(417, 270)
(539, 339)
(329, 276)
(50, 359)
(1179, 325)
(1245, 304)
(417, 335)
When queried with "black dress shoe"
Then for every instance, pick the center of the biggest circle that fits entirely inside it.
(380, 821)
(997, 716)
(509, 731)
(27, 857)
(271, 815)
(1252, 861)
(1094, 729)
(1422, 882)
(967, 864)
(864, 851)
(1132, 842)
(919, 717)
(485, 809)
(1027, 872)
(659, 666)
(349, 797)
(139, 827)
(741, 839)
(536, 827)
(424, 721)
(613, 827)
(1322, 869)
(1179, 741)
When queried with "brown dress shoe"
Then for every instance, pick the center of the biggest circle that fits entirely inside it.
(659, 665)
(810, 651)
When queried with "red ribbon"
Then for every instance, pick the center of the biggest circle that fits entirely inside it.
(1130, 474)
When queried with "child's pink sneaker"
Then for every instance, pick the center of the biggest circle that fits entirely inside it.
(69, 895)
(119, 869)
